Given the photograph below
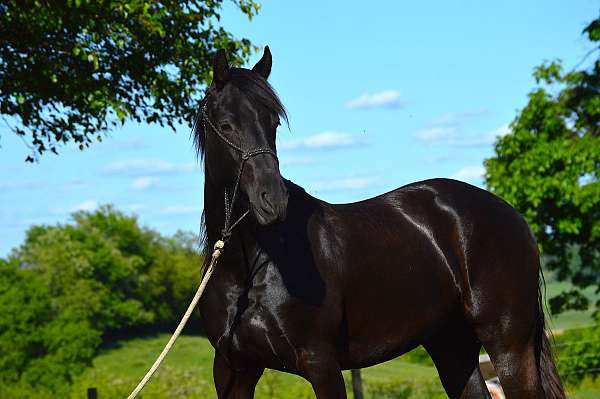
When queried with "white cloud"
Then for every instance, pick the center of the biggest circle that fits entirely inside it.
(122, 144)
(458, 118)
(30, 185)
(437, 134)
(436, 159)
(297, 161)
(135, 207)
(324, 140)
(20, 185)
(128, 144)
(382, 99)
(347, 183)
(501, 131)
(488, 138)
(469, 173)
(133, 167)
(446, 130)
(181, 209)
(74, 184)
(88, 205)
(145, 182)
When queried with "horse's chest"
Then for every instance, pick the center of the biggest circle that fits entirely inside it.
(264, 336)
(257, 326)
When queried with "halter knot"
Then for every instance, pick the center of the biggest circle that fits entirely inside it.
(225, 234)
(218, 248)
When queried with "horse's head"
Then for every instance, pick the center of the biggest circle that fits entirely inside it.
(238, 124)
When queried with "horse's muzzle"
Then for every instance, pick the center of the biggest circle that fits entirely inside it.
(271, 205)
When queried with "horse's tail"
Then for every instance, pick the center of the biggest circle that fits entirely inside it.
(551, 383)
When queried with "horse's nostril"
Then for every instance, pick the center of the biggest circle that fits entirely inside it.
(267, 204)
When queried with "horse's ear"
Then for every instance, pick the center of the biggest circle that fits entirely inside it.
(263, 67)
(220, 68)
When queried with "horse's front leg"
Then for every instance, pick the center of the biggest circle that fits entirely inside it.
(234, 384)
(325, 376)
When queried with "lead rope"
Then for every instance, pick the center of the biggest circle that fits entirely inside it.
(217, 250)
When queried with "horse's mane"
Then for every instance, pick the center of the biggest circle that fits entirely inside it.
(254, 86)
(259, 91)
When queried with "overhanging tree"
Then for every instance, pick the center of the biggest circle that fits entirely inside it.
(548, 167)
(72, 70)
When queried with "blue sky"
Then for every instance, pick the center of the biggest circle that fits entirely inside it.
(379, 94)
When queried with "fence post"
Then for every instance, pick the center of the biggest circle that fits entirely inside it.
(357, 384)
(92, 393)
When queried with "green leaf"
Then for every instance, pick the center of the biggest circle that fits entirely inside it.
(119, 49)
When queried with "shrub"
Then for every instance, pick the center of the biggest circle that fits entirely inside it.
(578, 354)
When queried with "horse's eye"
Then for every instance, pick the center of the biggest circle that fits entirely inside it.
(225, 127)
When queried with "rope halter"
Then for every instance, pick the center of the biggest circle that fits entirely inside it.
(245, 156)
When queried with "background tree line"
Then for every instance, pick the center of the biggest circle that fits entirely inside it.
(70, 288)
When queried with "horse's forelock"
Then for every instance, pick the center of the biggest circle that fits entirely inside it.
(255, 87)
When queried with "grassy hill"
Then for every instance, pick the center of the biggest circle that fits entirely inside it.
(187, 371)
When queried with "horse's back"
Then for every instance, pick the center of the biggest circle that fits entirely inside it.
(491, 240)
(474, 232)
(453, 217)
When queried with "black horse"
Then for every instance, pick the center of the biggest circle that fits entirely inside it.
(313, 288)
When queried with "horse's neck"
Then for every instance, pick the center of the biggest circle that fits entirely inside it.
(241, 243)
(214, 211)
(249, 241)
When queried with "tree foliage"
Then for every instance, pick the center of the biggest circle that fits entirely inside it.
(548, 167)
(69, 287)
(71, 70)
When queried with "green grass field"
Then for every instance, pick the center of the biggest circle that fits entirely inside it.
(187, 371)
(572, 318)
